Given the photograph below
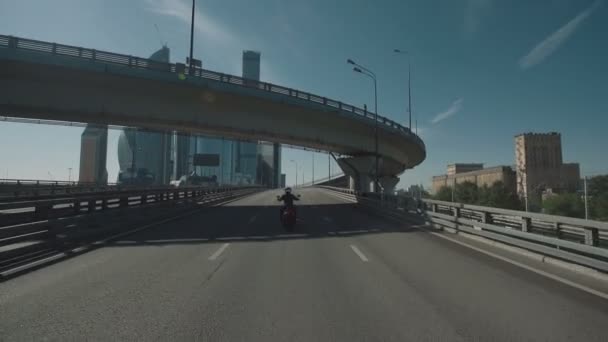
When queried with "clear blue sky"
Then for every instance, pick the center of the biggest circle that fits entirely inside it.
(483, 70)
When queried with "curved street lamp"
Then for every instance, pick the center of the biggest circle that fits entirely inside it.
(409, 83)
(365, 71)
(293, 161)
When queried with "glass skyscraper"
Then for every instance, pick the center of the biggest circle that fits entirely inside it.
(156, 158)
(145, 157)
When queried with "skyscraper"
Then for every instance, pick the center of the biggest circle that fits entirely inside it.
(262, 161)
(93, 154)
(146, 156)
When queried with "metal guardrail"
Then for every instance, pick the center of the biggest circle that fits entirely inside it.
(21, 211)
(321, 180)
(49, 226)
(12, 42)
(20, 218)
(23, 188)
(580, 241)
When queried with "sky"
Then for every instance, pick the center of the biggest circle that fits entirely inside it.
(482, 70)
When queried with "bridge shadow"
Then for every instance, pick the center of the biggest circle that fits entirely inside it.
(242, 223)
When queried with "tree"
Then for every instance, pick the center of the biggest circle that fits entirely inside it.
(570, 205)
(466, 192)
(444, 194)
(498, 195)
(597, 190)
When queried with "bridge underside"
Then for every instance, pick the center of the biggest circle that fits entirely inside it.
(52, 87)
(362, 170)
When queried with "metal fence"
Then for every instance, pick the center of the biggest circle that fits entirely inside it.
(34, 230)
(580, 241)
(147, 64)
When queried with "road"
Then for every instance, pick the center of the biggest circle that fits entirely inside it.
(231, 273)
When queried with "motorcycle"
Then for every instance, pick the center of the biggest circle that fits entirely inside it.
(288, 217)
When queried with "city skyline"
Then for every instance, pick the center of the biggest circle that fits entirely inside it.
(479, 82)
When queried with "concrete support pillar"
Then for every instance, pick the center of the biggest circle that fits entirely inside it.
(359, 171)
(388, 184)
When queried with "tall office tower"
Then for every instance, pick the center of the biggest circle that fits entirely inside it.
(146, 156)
(93, 154)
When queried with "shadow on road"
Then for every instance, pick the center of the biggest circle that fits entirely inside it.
(261, 223)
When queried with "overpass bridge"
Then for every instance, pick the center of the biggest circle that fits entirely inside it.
(43, 80)
(196, 265)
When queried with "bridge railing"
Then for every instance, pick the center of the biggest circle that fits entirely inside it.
(26, 188)
(24, 220)
(321, 180)
(576, 240)
(143, 63)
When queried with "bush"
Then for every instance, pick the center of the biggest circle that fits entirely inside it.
(444, 194)
(570, 205)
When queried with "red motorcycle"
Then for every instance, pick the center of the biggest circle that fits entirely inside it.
(288, 218)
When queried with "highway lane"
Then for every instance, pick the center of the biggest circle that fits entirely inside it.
(232, 273)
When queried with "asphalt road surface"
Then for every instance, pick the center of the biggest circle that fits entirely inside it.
(231, 273)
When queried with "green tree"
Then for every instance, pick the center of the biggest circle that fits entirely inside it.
(466, 192)
(498, 195)
(597, 190)
(570, 205)
(444, 194)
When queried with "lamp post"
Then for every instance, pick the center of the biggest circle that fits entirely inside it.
(328, 166)
(586, 203)
(191, 64)
(313, 168)
(365, 71)
(409, 85)
(293, 161)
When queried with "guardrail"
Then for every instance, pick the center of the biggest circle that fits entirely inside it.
(321, 180)
(12, 42)
(32, 230)
(13, 188)
(584, 242)
(21, 211)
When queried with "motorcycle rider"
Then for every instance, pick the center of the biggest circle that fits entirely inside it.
(288, 199)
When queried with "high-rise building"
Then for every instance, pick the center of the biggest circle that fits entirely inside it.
(262, 161)
(539, 165)
(251, 65)
(145, 157)
(93, 154)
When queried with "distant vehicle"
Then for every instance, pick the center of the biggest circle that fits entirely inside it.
(195, 180)
(142, 177)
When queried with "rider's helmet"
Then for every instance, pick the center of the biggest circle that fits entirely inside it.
(288, 190)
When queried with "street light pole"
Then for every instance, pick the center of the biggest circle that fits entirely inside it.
(586, 204)
(365, 71)
(191, 67)
(328, 166)
(293, 161)
(313, 168)
(409, 84)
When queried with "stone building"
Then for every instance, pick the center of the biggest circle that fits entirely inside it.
(480, 177)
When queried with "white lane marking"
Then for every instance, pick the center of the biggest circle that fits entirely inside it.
(219, 251)
(252, 219)
(359, 231)
(518, 264)
(358, 252)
